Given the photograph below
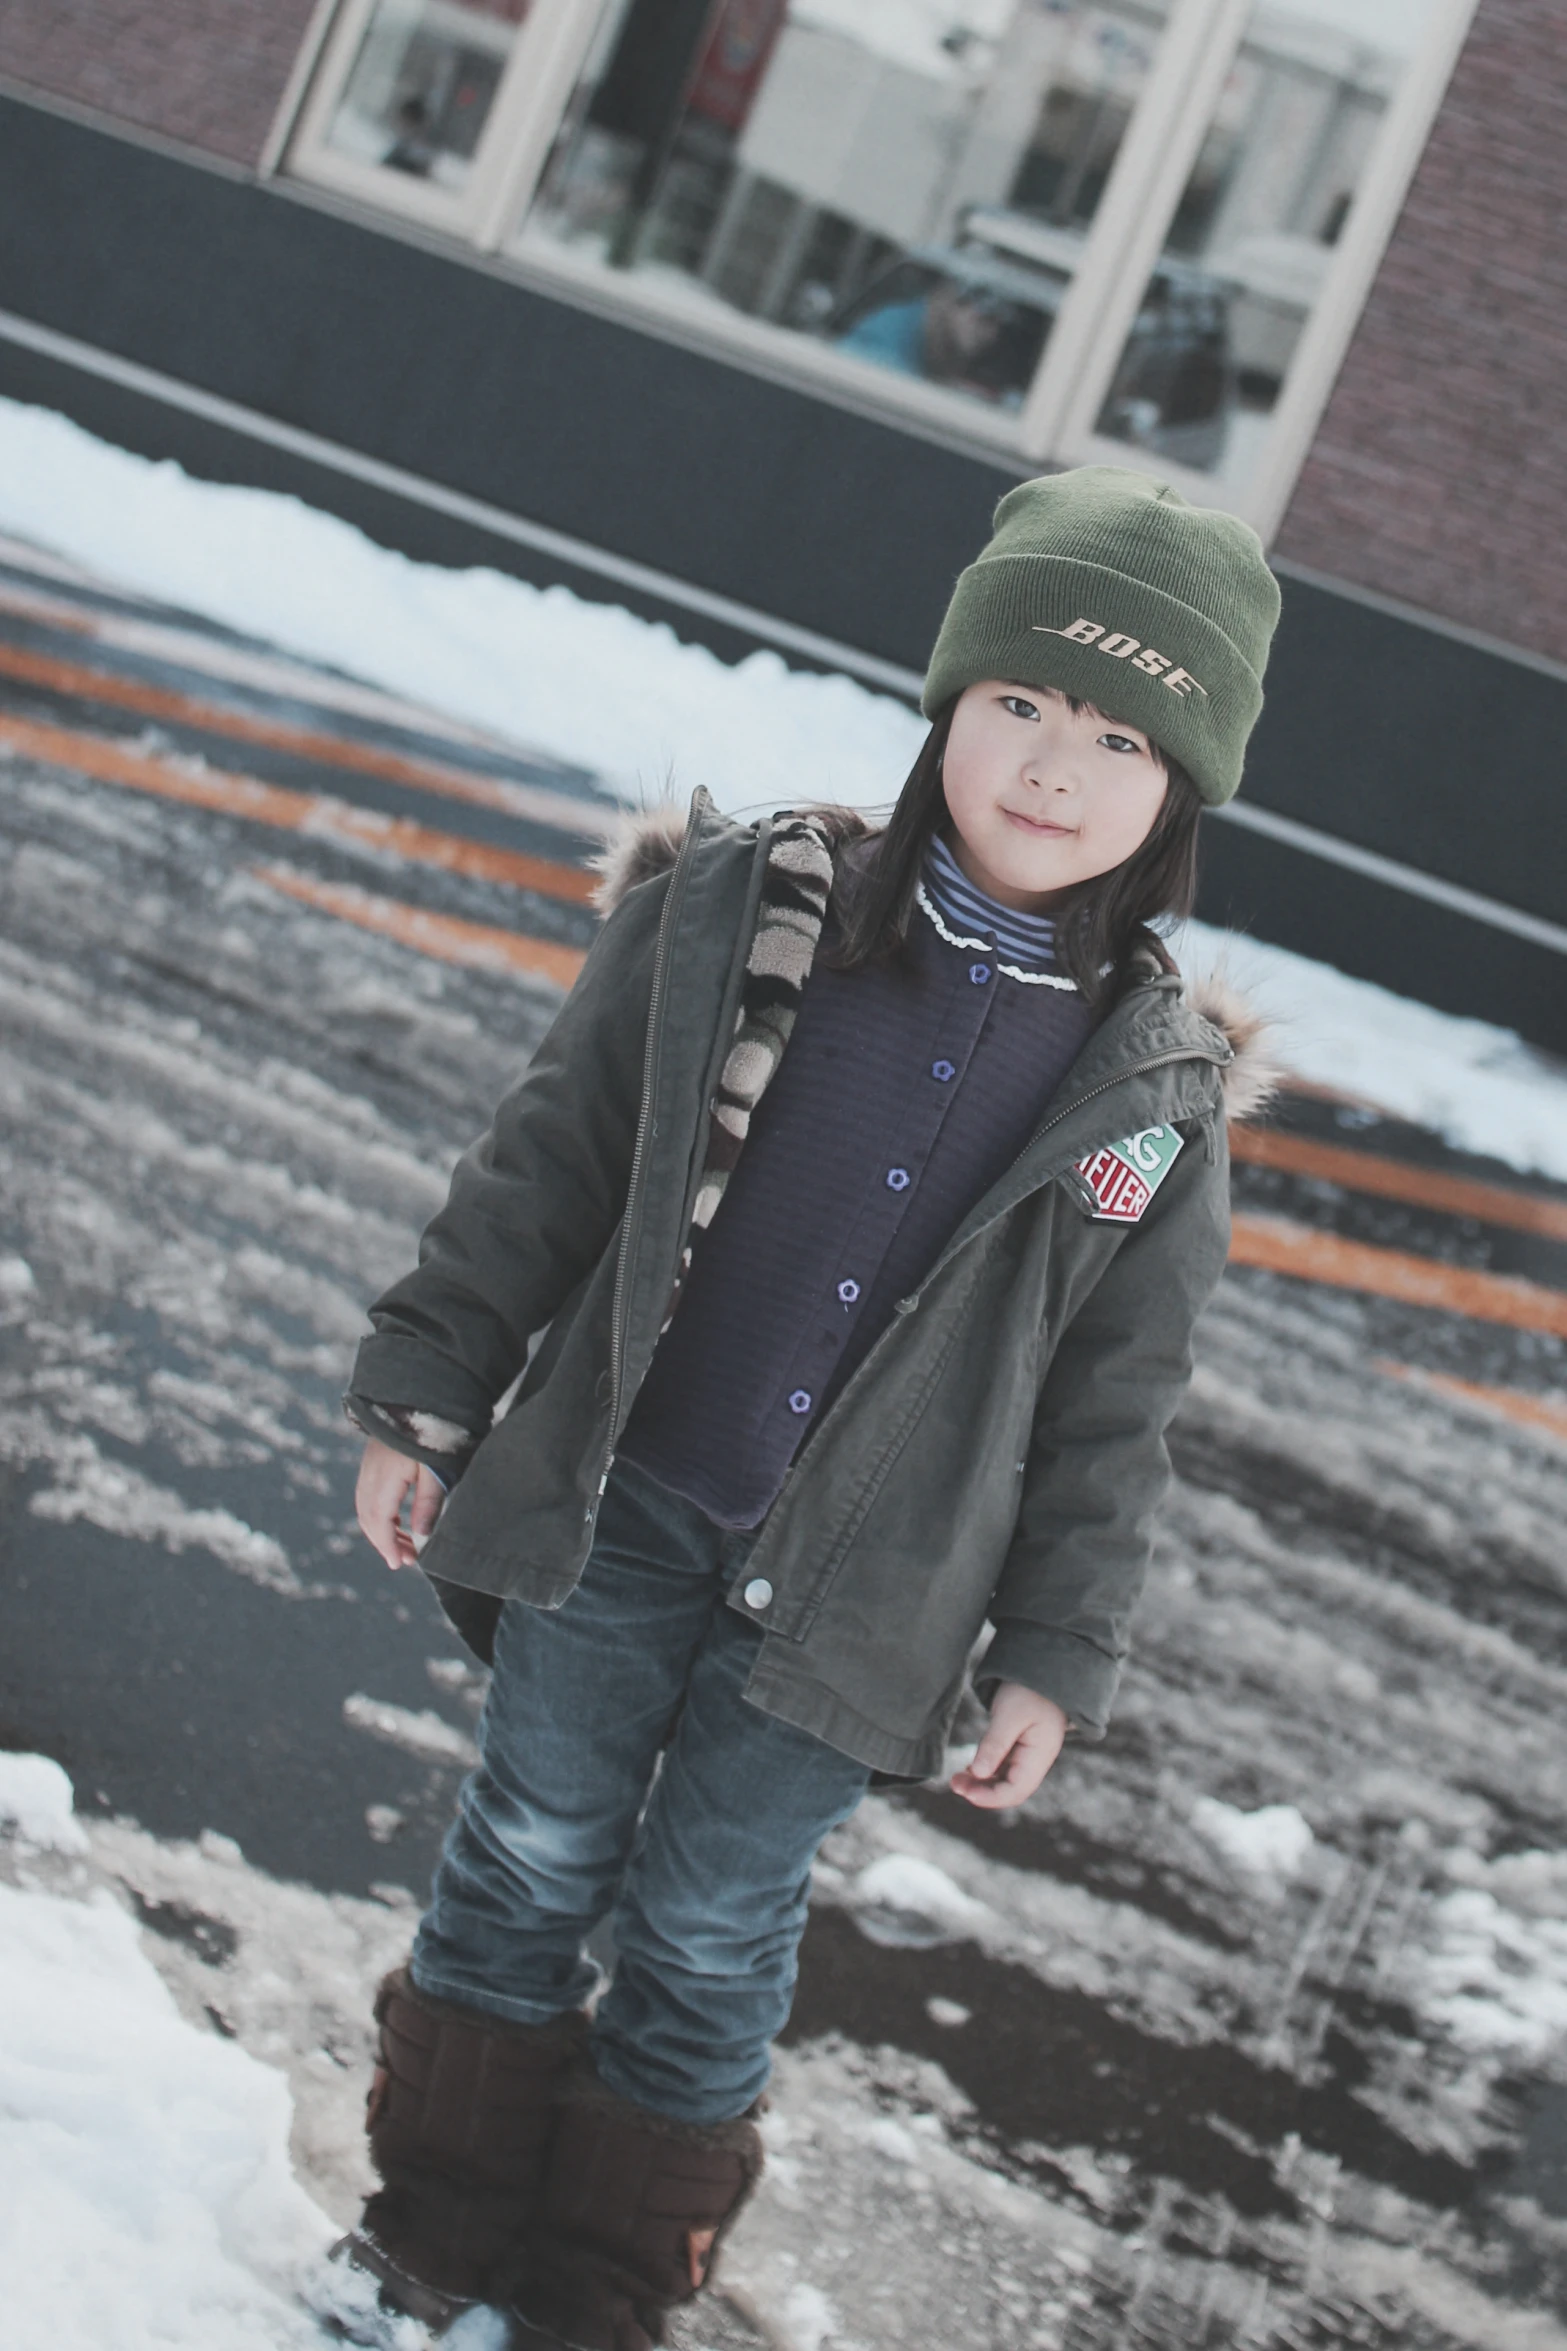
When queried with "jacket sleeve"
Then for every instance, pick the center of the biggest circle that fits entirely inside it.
(533, 1205)
(1098, 1467)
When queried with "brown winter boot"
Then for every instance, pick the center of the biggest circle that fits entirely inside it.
(634, 2209)
(460, 2116)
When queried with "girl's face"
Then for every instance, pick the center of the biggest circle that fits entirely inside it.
(1043, 797)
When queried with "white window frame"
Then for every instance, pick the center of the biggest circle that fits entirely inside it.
(1128, 237)
(1156, 155)
(1055, 425)
(534, 87)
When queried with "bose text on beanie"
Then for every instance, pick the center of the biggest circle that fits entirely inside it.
(1111, 586)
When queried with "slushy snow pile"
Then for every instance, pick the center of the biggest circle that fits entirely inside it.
(1494, 1972)
(148, 2199)
(593, 686)
(36, 1801)
(1272, 1844)
(906, 1902)
(1477, 1086)
(589, 683)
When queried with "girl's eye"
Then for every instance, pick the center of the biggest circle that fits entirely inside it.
(1019, 706)
(1120, 743)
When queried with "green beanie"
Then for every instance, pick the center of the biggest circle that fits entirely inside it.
(1105, 584)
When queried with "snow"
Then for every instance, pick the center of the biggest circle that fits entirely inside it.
(123, 1502)
(36, 1800)
(1477, 1086)
(589, 682)
(594, 686)
(166, 2129)
(421, 1733)
(867, 2147)
(1495, 1981)
(149, 2197)
(1272, 1843)
(16, 1278)
(889, 2138)
(811, 2320)
(1493, 1974)
(908, 1903)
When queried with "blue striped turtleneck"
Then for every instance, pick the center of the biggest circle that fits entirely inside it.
(1025, 938)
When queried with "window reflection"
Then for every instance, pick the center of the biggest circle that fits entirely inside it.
(421, 87)
(910, 182)
(1249, 246)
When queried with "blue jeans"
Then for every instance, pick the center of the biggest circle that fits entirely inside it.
(705, 1863)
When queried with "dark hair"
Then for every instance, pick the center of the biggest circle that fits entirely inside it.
(1096, 929)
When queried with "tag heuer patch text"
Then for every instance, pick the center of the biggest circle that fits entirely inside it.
(1123, 1177)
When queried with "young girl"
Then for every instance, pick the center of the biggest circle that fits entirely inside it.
(865, 1193)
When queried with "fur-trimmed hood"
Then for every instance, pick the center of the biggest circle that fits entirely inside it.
(646, 842)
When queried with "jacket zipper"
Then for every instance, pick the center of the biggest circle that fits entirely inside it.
(655, 1014)
(907, 1306)
(1135, 1069)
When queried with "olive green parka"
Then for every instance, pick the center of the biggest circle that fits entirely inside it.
(1000, 1453)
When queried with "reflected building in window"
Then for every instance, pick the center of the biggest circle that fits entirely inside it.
(1072, 229)
(1252, 236)
(911, 188)
(422, 83)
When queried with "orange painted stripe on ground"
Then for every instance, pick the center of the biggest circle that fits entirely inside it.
(298, 812)
(1279, 1246)
(187, 644)
(149, 701)
(1392, 1179)
(444, 936)
(1291, 1083)
(80, 620)
(1515, 1404)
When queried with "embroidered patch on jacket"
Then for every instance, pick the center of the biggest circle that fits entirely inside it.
(1124, 1176)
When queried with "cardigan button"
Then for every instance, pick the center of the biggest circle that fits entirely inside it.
(800, 1401)
(979, 973)
(897, 1179)
(943, 1072)
(848, 1290)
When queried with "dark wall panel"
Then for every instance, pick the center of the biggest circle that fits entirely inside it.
(1418, 744)
(1384, 934)
(751, 488)
(151, 428)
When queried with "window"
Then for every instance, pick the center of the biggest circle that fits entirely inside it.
(423, 80)
(1138, 230)
(1248, 251)
(909, 186)
(422, 105)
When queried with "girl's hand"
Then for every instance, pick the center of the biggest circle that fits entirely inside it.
(1021, 1742)
(386, 1478)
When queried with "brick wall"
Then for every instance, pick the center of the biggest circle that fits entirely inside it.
(208, 72)
(1439, 472)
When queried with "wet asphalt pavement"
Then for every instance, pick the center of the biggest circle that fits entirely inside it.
(242, 1036)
